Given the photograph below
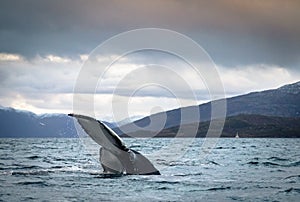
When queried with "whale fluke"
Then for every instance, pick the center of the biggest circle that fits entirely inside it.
(115, 156)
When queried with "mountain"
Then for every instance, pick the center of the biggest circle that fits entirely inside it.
(246, 125)
(115, 125)
(271, 113)
(128, 120)
(281, 102)
(17, 123)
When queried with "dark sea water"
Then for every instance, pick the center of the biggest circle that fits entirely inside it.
(234, 170)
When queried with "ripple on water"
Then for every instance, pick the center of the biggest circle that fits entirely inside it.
(244, 170)
(218, 188)
(39, 183)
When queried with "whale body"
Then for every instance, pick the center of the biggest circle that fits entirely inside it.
(115, 157)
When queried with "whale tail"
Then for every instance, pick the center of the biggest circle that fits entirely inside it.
(115, 157)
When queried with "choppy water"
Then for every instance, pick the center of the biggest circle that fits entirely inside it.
(235, 170)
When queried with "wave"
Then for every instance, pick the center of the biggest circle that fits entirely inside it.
(292, 176)
(188, 174)
(214, 163)
(163, 188)
(33, 172)
(33, 183)
(270, 164)
(225, 147)
(274, 158)
(292, 189)
(22, 167)
(218, 188)
(295, 164)
(253, 162)
(168, 182)
(33, 157)
(59, 159)
(6, 158)
(107, 175)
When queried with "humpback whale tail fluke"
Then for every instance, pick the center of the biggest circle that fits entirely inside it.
(114, 155)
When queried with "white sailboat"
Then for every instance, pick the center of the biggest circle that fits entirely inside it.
(237, 135)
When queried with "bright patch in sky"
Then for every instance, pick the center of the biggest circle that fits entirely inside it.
(9, 57)
(45, 85)
(57, 59)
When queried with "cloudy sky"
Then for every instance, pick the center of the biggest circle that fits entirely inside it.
(43, 45)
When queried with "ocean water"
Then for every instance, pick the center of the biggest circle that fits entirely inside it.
(233, 170)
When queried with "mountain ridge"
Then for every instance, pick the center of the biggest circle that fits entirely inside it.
(283, 102)
(20, 123)
(245, 125)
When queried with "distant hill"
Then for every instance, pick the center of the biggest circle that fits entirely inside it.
(278, 109)
(281, 102)
(245, 125)
(16, 123)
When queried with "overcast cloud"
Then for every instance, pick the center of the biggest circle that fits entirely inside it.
(255, 44)
(233, 32)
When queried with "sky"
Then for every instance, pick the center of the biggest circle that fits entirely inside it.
(255, 46)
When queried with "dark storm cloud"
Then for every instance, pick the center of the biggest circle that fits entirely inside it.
(233, 32)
